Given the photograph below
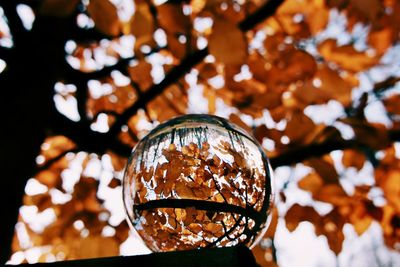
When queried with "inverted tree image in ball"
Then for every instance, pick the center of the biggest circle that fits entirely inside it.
(198, 181)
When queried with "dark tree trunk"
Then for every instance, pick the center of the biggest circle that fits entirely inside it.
(26, 106)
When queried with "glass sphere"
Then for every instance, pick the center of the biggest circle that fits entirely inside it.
(198, 181)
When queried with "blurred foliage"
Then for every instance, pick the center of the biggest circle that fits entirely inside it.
(263, 78)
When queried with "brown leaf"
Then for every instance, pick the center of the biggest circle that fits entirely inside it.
(298, 126)
(332, 193)
(227, 43)
(297, 214)
(391, 188)
(292, 65)
(308, 94)
(183, 190)
(177, 48)
(392, 104)
(105, 16)
(333, 84)
(50, 178)
(353, 158)
(360, 219)
(140, 73)
(208, 70)
(331, 226)
(346, 56)
(114, 183)
(58, 8)
(85, 194)
(381, 39)
(172, 19)
(142, 23)
(312, 182)
(315, 14)
(367, 10)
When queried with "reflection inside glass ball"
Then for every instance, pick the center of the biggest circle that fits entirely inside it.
(198, 181)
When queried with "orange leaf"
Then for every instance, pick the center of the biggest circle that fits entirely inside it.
(353, 158)
(140, 73)
(332, 193)
(177, 48)
(227, 43)
(311, 182)
(381, 40)
(172, 19)
(391, 187)
(105, 16)
(142, 24)
(331, 226)
(346, 56)
(297, 214)
(392, 104)
(298, 126)
(334, 85)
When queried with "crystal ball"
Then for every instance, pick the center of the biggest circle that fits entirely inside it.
(198, 181)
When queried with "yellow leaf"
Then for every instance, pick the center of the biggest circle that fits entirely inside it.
(362, 224)
(105, 17)
(227, 43)
(210, 94)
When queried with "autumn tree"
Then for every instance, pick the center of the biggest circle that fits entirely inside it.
(316, 82)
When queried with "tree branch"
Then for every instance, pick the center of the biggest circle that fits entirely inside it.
(385, 84)
(17, 29)
(72, 75)
(265, 11)
(5, 53)
(302, 153)
(85, 138)
(199, 205)
(51, 161)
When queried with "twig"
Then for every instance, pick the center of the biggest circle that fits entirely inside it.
(73, 75)
(51, 161)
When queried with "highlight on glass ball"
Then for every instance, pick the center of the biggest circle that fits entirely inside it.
(198, 181)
